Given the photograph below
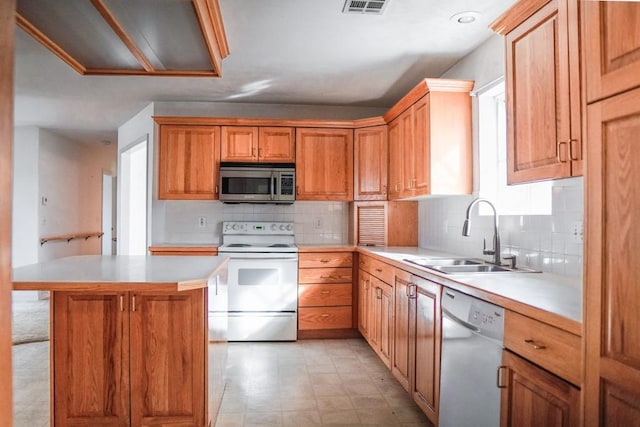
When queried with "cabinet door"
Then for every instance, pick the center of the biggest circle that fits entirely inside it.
(612, 47)
(168, 338)
(386, 322)
(396, 156)
(375, 312)
(534, 397)
(188, 162)
(421, 148)
(324, 164)
(428, 337)
(370, 157)
(401, 356)
(408, 153)
(364, 301)
(276, 145)
(90, 373)
(612, 299)
(538, 96)
(239, 144)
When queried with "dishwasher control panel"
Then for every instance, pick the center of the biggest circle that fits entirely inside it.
(482, 317)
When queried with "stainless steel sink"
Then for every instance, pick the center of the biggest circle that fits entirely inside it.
(464, 266)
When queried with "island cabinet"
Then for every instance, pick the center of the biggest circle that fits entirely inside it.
(430, 140)
(612, 294)
(188, 162)
(370, 163)
(541, 372)
(324, 164)
(543, 95)
(325, 294)
(270, 144)
(129, 358)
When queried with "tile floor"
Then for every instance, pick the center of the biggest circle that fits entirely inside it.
(306, 383)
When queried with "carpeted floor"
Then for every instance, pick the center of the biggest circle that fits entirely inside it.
(30, 321)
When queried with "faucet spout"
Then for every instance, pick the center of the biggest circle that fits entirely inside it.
(466, 230)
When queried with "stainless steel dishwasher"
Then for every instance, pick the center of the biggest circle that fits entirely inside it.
(472, 336)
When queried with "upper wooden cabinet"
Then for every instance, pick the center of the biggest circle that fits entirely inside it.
(611, 43)
(188, 162)
(370, 163)
(257, 144)
(324, 164)
(544, 138)
(430, 140)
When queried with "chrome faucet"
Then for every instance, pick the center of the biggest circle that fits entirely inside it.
(496, 236)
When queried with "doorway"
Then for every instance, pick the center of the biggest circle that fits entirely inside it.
(132, 227)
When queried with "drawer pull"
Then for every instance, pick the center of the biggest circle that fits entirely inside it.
(324, 315)
(327, 277)
(325, 292)
(324, 261)
(361, 262)
(535, 345)
(379, 270)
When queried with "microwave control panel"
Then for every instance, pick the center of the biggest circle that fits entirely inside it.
(286, 184)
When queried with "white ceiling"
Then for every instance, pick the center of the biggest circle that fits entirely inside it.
(282, 51)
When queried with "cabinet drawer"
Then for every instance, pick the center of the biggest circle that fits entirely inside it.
(325, 275)
(325, 259)
(324, 318)
(324, 295)
(554, 349)
(382, 271)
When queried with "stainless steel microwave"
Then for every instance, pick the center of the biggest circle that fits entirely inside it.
(257, 182)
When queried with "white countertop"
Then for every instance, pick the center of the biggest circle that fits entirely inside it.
(182, 271)
(549, 293)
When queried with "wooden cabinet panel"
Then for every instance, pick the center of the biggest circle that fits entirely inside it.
(276, 145)
(370, 163)
(396, 159)
(534, 397)
(612, 295)
(428, 337)
(384, 223)
(325, 275)
(611, 47)
(324, 318)
(401, 359)
(239, 144)
(324, 164)
(90, 374)
(381, 319)
(364, 303)
(549, 347)
(168, 333)
(325, 259)
(543, 93)
(188, 162)
(324, 295)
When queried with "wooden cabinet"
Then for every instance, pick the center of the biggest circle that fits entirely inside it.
(325, 292)
(364, 297)
(402, 360)
(543, 94)
(383, 223)
(427, 341)
(129, 358)
(611, 48)
(534, 397)
(188, 162)
(381, 319)
(370, 163)
(324, 164)
(430, 140)
(612, 294)
(257, 144)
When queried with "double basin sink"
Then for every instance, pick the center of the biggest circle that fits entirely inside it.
(464, 266)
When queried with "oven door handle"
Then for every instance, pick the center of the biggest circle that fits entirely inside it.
(266, 258)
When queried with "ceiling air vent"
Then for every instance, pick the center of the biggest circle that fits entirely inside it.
(364, 6)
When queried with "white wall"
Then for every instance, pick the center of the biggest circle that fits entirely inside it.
(542, 242)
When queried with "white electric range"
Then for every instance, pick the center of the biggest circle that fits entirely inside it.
(262, 280)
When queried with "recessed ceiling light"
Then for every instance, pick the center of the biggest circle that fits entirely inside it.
(467, 17)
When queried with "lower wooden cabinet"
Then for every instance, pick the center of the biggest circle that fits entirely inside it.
(129, 359)
(534, 397)
(381, 319)
(364, 296)
(403, 331)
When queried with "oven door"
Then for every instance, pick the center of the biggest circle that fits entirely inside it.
(264, 282)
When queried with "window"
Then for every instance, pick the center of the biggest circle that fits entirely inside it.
(520, 199)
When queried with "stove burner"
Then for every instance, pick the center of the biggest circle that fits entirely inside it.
(238, 245)
(279, 245)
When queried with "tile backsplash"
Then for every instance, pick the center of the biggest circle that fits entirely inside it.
(315, 222)
(542, 242)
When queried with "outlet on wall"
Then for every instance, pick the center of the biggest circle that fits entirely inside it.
(202, 221)
(577, 232)
(317, 223)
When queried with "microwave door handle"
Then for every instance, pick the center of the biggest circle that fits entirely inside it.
(273, 184)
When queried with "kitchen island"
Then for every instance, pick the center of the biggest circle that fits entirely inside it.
(129, 338)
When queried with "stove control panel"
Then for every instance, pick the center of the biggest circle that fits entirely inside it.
(257, 228)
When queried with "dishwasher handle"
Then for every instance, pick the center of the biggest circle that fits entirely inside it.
(459, 321)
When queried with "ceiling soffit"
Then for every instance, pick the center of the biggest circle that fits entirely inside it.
(130, 37)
